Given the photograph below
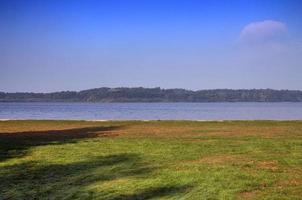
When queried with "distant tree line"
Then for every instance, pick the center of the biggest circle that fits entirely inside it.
(140, 94)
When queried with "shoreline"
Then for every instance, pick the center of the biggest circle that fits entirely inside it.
(150, 120)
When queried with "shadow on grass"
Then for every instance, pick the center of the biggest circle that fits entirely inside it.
(77, 180)
(17, 144)
(157, 192)
(72, 180)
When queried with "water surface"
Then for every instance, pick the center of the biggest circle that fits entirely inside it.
(152, 111)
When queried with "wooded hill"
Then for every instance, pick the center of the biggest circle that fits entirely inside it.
(140, 94)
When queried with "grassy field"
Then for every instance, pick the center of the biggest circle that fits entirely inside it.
(150, 160)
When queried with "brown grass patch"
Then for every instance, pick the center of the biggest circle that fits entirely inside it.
(248, 195)
(223, 159)
(269, 165)
(200, 129)
(291, 182)
(164, 129)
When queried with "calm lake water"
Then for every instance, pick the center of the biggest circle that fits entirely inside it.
(155, 111)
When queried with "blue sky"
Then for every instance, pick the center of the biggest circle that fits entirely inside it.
(74, 45)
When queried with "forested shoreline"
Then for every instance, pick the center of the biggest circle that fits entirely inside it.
(140, 94)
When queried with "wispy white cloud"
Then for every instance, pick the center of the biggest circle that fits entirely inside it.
(263, 32)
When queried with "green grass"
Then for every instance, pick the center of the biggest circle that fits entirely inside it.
(150, 160)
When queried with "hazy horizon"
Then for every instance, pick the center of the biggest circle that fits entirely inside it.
(49, 46)
(194, 90)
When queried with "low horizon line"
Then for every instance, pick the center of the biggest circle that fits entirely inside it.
(162, 88)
